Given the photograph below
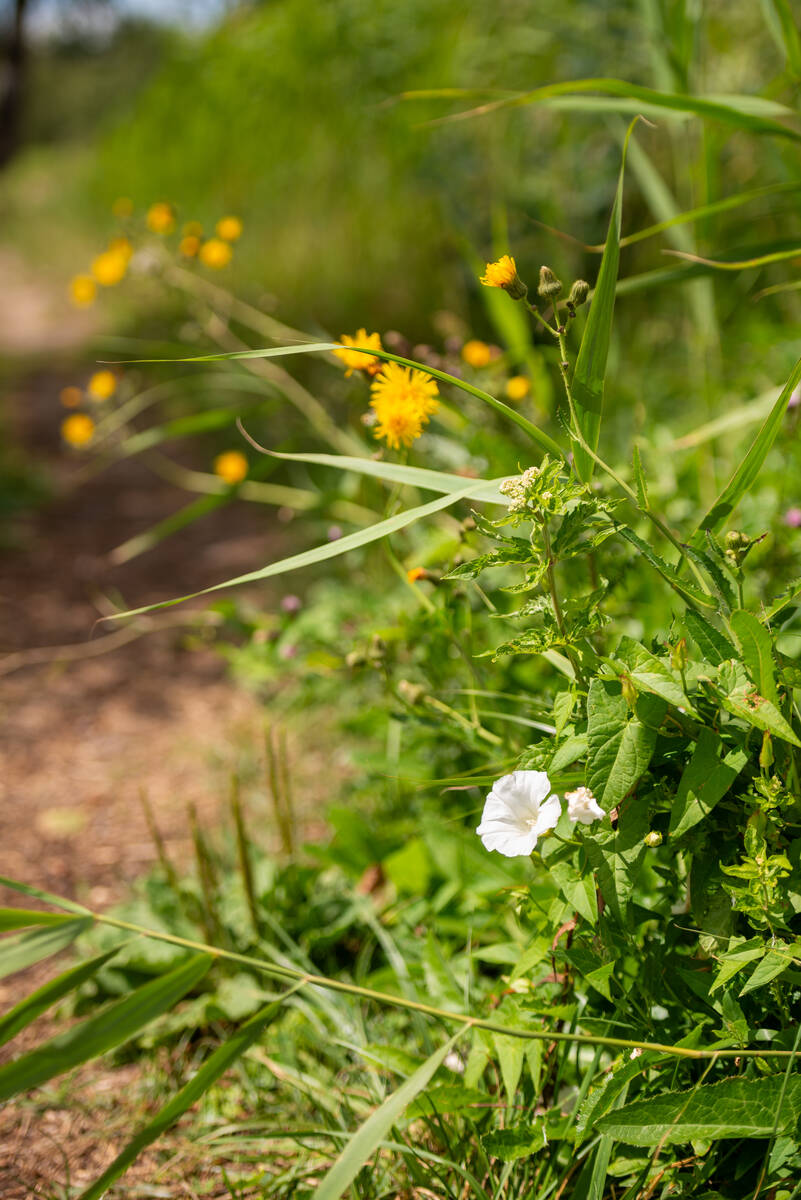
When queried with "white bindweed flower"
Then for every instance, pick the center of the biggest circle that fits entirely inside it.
(582, 806)
(519, 809)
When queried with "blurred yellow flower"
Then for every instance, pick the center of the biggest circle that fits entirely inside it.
(229, 228)
(232, 466)
(503, 274)
(215, 253)
(476, 353)
(518, 387)
(403, 400)
(77, 429)
(354, 360)
(102, 385)
(70, 397)
(110, 267)
(160, 218)
(122, 246)
(192, 229)
(122, 207)
(83, 290)
(189, 245)
(415, 573)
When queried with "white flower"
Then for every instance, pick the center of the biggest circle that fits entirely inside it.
(518, 810)
(582, 806)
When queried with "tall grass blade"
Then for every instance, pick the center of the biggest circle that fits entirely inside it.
(25, 949)
(21, 918)
(377, 1126)
(743, 478)
(55, 989)
(783, 25)
(109, 1029)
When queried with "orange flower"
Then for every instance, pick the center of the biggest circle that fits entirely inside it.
(229, 228)
(503, 274)
(476, 353)
(70, 397)
(102, 385)
(160, 218)
(78, 429)
(232, 466)
(415, 573)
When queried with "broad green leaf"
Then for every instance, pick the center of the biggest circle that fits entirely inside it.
(25, 949)
(741, 698)
(706, 779)
(194, 1090)
(714, 646)
(367, 1140)
(620, 741)
(606, 1095)
(537, 435)
(110, 1028)
(577, 887)
(777, 960)
(352, 541)
(511, 1053)
(519, 1141)
(738, 955)
(39, 1001)
(757, 649)
(20, 918)
(650, 674)
(745, 475)
(734, 1108)
(587, 385)
(433, 481)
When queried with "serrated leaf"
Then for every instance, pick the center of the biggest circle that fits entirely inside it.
(745, 702)
(757, 650)
(715, 646)
(705, 780)
(518, 1142)
(620, 742)
(734, 1108)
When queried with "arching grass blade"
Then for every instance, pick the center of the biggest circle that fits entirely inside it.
(25, 949)
(39, 1001)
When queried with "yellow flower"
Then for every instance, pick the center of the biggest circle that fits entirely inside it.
(110, 267)
(189, 245)
(83, 290)
(122, 246)
(518, 387)
(503, 274)
(215, 253)
(122, 207)
(102, 385)
(232, 466)
(192, 229)
(160, 218)
(70, 397)
(77, 429)
(476, 354)
(403, 400)
(415, 573)
(229, 228)
(354, 360)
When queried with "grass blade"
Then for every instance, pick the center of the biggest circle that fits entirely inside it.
(377, 1126)
(588, 378)
(20, 918)
(106, 1031)
(39, 1001)
(17, 953)
(745, 475)
(27, 889)
(189, 1094)
(782, 24)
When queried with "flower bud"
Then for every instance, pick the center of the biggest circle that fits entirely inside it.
(412, 693)
(549, 286)
(578, 294)
(766, 753)
(678, 655)
(629, 690)
(653, 839)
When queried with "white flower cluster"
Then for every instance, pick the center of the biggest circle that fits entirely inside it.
(518, 487)
(521, 808)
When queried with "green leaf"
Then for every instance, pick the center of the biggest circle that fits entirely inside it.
(738, 955)
(782, 23)
(587, 385)
(518, 1142)
(106, 1031)
(757, 650)
(777, 960)
(39, 1001)
(19, 918)
(741, 698)
(745, 475)
(193, 1091)
(27, 889)
(620, 741)
(714, 646)
(367, 1140)
(687, 591)
(705, 781)
(445, 1098)
(352, 541)
(734, 1108)
(25, 949)
(650, 674)
(639, 478)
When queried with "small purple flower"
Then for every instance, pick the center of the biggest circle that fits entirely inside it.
(793, 517)
(334, 533)
(795, 398)
(288, 651)
(291, 604)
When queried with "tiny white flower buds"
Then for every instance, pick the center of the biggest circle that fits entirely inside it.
(582, 806)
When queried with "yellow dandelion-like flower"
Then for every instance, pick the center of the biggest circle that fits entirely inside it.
(189, 245)
(122, 207)
(476, 353)
(192, 229)
(229, 228)
(83, 290)
(354, 359)
(70, 397)
(232, 466)
(518, 387)
(78, 429)
(102, 385)
(215, 253)
(160, 218)
(110, 267)
(403, 400)
(503, 274)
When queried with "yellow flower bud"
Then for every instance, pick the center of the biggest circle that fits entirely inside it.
(229, 229)
(215, 253)
(232, 466)
(102, 385)
(517, 388)
(78, 429)
(83, 290)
